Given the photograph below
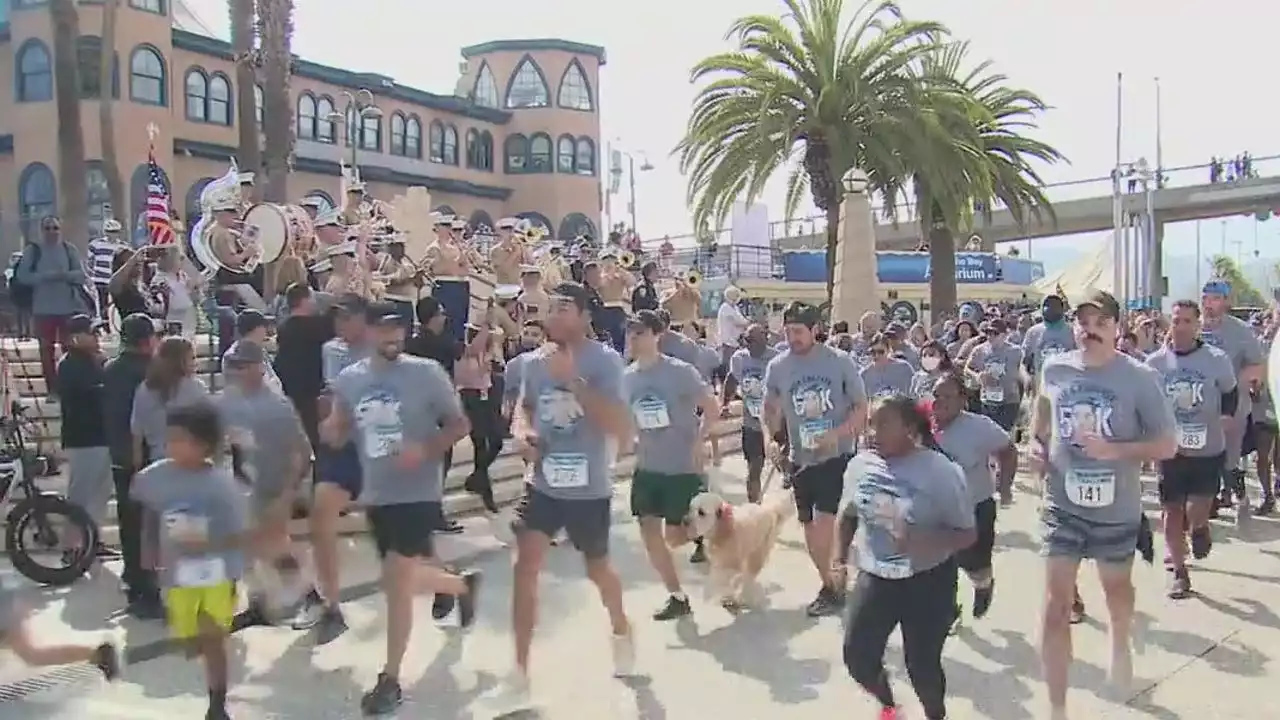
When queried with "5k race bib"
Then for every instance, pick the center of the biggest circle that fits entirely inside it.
(894, 568)
(992, 394)
(565, 470)
(1193, 436)
(651, 414)
(1091, 488)
(811, 430)
(200, 572)
(753, 406)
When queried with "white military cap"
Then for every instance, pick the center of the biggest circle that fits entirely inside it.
(246, 178)
(226, 205)
(355, 187)
(438, 218)
(342, 248)
(609, 252)
(111, 225)
(530, 270)
(507, 223)
(327, 218)
(459, 224)
(312, 201)
(506, 292)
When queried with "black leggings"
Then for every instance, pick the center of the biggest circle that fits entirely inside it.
(486, 439)
(924, 605)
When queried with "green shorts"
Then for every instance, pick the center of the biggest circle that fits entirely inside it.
(665, 496)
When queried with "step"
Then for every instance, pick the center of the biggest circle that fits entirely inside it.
(15, 350)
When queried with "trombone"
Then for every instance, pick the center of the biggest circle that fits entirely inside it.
(693, 278)
(628, 260)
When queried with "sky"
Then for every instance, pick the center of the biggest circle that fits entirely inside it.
(1216, 79)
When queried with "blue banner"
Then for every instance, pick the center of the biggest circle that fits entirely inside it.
(913, 267)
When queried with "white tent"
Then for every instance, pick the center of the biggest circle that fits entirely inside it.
(1090, 272)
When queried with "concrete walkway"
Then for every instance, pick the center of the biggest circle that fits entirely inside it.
(1206, 657)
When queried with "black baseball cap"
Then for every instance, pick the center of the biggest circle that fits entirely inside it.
(249, 320)
(245, 352)
(573, 292)
(646, 320)
(382, 313)
(82, 324)
(426, 309)
(798, 313)
(137, 328)
(1102, 301)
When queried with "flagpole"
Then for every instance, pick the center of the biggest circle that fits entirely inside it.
(1159, 142)
(1199, 260)
(1118, 255)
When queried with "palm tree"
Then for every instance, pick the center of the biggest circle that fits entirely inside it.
(275, 28)
(72, 171)
(812, 93)
(244, 48)
(106, 108)
(1243, 292)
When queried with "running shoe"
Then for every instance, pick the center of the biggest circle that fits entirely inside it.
(384, 698)
(825, 603)
(624, 655)
(309, 615)
(1201, 542)
(1077, 612)
(252, 616)
(442, 606)
(675, 607)
(1180, 587)
(890, 713)
(217, 712)
(450, 527)
(513, 696)
(107, 658)
(467, 603)
(982, 597)
(1267, 507)
(331, 625)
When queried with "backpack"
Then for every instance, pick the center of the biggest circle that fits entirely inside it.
(23, 295)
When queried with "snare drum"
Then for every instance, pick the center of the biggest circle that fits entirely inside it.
(278, 228)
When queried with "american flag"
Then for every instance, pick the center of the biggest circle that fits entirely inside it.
(159, 226)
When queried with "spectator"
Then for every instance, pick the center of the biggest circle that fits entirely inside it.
(54, 272)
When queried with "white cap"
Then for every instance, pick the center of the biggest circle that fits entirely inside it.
(342, 248)
(438, 218)
(507, 223)
(312, 201)
(327, 218)
(459, 224)
(245, 178)
(354, 187)
(530, 270)
(225, 205)
(506, 292)
(111, 225)
(609, 253)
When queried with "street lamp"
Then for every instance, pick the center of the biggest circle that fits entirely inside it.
(855, 181)
(616, 170)
(1137, 252)
(362, 102)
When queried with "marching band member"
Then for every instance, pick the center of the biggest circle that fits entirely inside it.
(507, 314)
(449, 268)
(682, 302)
(614, 288)
(645, 295)
(399, 277)
(534, 302)
(508, 255)
(102, 254)
(312, 205)
(245, 180)
(351, 207)
(235, 253)
(346, 276)
(553, 266)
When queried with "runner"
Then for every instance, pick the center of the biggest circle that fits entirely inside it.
(935, 363)
(746, 377)
(572, 415)
(677, 345)
(338, 479)
(1201, 385)
(993, 366)
(1047, 338)
(886, 375)
(814, 394)
(17, 634)
(1099, 415)
(972, 441)
(402, 414)
(664, 395)
(913, 503)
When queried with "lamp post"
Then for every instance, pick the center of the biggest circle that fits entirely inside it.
(615, 169)
(855, 182)
(854, 281)
(361, 101)
(1136, 254)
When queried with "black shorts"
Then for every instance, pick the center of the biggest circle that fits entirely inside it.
(1182, 478)
(752, 445)
(977, 557)
(818, 488)
(405, 529)
(586, 522)
(341, 467)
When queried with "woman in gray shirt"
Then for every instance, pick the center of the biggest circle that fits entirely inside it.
(170, 382)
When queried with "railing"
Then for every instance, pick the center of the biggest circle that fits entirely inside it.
(1063, 191)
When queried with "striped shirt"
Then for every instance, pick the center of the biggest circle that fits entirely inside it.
(101, 253)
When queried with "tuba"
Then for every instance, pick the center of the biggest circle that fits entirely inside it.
(628, 260)
(215, 190)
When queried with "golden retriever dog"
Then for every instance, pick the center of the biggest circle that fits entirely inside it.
(738, 540)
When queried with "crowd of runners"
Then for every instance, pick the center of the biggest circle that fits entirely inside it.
(910, 434)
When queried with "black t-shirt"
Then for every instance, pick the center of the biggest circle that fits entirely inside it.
(298, 364)
(129, 300)
(426, 344)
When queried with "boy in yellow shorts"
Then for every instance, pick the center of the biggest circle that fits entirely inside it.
(203, 513)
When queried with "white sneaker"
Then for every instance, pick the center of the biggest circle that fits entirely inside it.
(500, 527)
(624, 655)
(513, 695)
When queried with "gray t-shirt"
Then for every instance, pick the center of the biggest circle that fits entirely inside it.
(663, 398)
(576, 457)
(337, 355)
(708, 361)
(1195, 383)
(1122, 401)
(861, 352)
(888, 378)
(679, 347)
(388, 404)
(206, 498)
(748, 370)
(1043, 341)
(922, 384)
(149, 419)
(971, 440)
(817, 389)
(513, 375)
(1002, 361)
(1234, 337)
(273, 380)
(922, 490)
(265, 433)
(907, 354)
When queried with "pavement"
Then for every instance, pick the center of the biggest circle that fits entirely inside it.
(1205, 657)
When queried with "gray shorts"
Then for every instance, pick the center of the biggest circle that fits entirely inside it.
(89, 483)
(1071, 536)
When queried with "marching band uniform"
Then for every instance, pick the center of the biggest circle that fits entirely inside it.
(351, 210)
(682, 302)
(399, 277)
(312, 206)
(346, 276)
(235, 286)
(245, 180)
(553, 268)
(533, 300)
(614, 288)
(508, 254)
(451, 277)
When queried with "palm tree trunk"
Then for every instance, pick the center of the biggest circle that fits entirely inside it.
(107, 106)
(275, 18)
(833, 235)
(942, 261)
(72, 175)
(243, 47)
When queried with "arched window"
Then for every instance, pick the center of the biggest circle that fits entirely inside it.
(566, 151)
(370, 133)
(89, 68)
(397, 134)
(151, 6)
(35, 72)
(147, 76)
(516, 152)
(540, 154)
(485, 93)
(99, 197)
(324, 120)
(324, 197)
(37, 197)
(197, 92)
(306, 117)
(485, 155)
(220, 99)
(259, 102)
(537, 218)
(191, 206)
(528, 86)
(450, 145)
(473, 147)
(480, 219)
(435, 142)
(413, 137)
(574, 93)
(575, 224)
(445, 210)
(586, 157)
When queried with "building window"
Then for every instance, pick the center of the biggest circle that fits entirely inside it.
(259, 102)
(197, 90)
(37, 197)
(566, 151)
(435, 142)
(99, 196)
(89, 68)
(35, 72)
(325, 131)
(539, 154)
(370, 133)
(450, 145)
(528, 88)
(306, 117)
(153, 6)
(219, 99)
(479, 150)
(397, 134)
(326, 202)
(413, 137)
(575, 225)
(574, 93)
(147, 77)
(585, 164)
(516, 151)
(485, 93)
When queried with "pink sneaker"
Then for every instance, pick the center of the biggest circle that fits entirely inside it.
(890, 713)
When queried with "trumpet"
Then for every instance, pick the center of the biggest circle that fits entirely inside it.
(628, 260)
(693, 278)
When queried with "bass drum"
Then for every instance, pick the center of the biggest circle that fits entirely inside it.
(276, 228)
